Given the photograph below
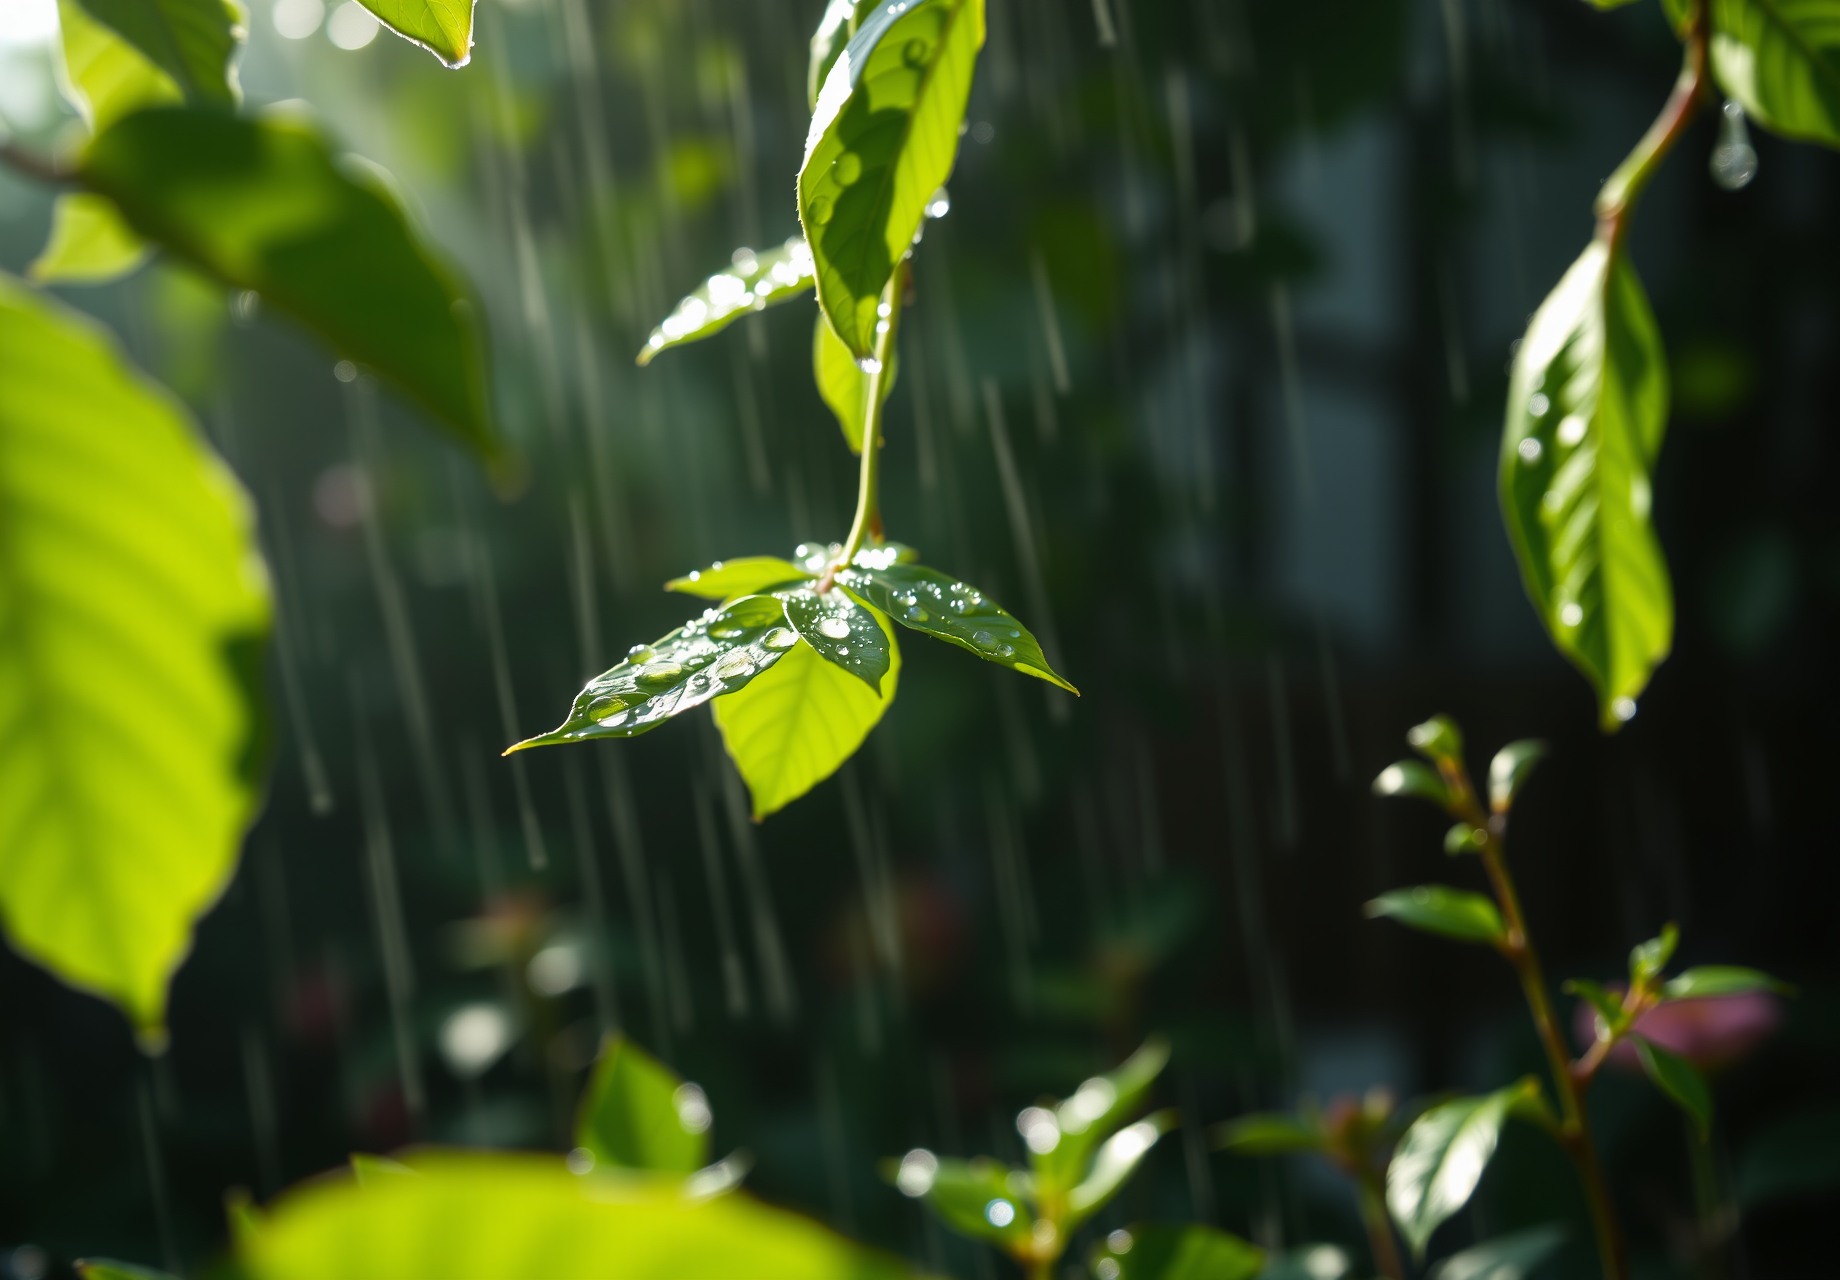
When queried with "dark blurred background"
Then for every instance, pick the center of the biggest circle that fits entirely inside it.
(1233, 283)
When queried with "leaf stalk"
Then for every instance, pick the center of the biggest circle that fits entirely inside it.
(1616, 200)
(868, 522)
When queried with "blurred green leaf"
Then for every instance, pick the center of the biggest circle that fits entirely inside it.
(1412, 778)
(1509, 770)
(1267, 1133)
(193, 41)
(751, 282)
(1117, 1159)
(884, 134)
(1095, 1110)
(1719, 980)
(109, 1269)
(926, 600)
(1464, 838)
(263, 206)
(89, 243)
(1436, 908)
(1439, 739)
(841, 629)
(1607, 5)
(973, 1197)
(1648, 959)
(1795, 1155)
(790, 730)
(1514, 1256)
(1441, 1159)
(1308, 1262)
(1680, 1080)
(1587, 408)
(717, 653)
(504, 1216)
(844, 386)
(369, 1169)
(636, 1114)
(101, 75)
(443, 27)
(1780, 60)
(744, 575)
(1156, 1251)
(1607, 1004)
(132, 599)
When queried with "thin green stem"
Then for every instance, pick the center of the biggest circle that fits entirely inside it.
(868, 521)
(1616, 201)
(1379, 1226)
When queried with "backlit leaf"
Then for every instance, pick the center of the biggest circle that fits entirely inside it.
(1096, 1110)
(1436, 908)
(1587, 407)
(1437, 739)
(844, 386)
(102, 75)
(839, 23)
(636, 1114)
(263, 206)
(1267, 1133)
(842, 630)
(1606, 1004)
(883, 137)
(1780, 60)
(1719, 980)
(89, 244)
(973, 1197)
(1442, 1157)
(443, 27)
(1514, 1256)
(369, 1169)
(1159, 1251)
(1680, 1080)
(132, 600)
(744, 575)
(1648, 959)
(1509, 771)
(1412, 778)
(1116, 1160)
(192, 41)
(752, 282)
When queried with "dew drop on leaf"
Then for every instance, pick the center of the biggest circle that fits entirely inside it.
(659, 672)
(835, 628)
(780, 638)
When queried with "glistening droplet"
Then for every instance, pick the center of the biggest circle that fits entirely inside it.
(835, 628)
(1734, 160)
(780, 638)
(660, 672)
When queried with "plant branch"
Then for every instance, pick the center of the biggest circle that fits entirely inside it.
(31, 164)
(1616, 201)
(1379, 1226)
(868, 521)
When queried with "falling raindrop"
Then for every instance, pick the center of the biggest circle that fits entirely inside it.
(734, 979)
(1734, 160)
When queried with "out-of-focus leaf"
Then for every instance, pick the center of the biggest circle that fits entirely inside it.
(263, 206)
(705, 658)
(132, 600)
(752, 282)
(1509, 770)
(503, 1216)
(1309, 1262)
(102, 75)
(1796, 1155)
(844, 386)
(841, 629)
(973, 1197)
(89, 244)
(791, 729)
(1412, 778)
(443, 27)
(884, 134)
(1267, 1133)
(1442, 1157)
(193, 41)
(1095, 1110)
(369, 1169)
(1464, 838)
(1117, 1159)
(1158, 1251)
(924, 599)
(1606, 1004)
(636, 1114)
(1609, 4)
(1719, 980)
(1680, 1080)
(1511, 1257)
(109, 1269)
(1439, 739)
(1648, 959)
(744, 575)
(1780, 60)
(1436, 908)
(1587, 408)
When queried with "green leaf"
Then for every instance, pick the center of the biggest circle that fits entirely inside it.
(499, 1215)
(884, 134)
(443, 27)
(1411, 778)
(132, 603)
(1436, 908)
(1309, 1262)
(790, 730)
(1163, 1252)
(1463, 838)
(926, 600)
(369, 1169)
(262, 205)
(1509, 770)
(1607, 1004)
(717, 653)
(193, 41)
(1437, 739)
(1719, 980)
(1511, 1257)
(742, 576)
(1267, 1133)
(1648, 959)
(973, 1197)
(103, 76)
(844, 386)
(1095, 1110)
(1780, 59)
(1587, 408)
(109, 1269)
(89, 244)
(839, 23)
(1607, 5)
(1117, 1159)
(841, 629)
(1442, 1157)
(752, 282)
(636, 1114)
(1680, 1080)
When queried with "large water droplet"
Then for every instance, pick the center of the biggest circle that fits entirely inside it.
(835, 628)
(731, 665)
(640, 654)
(780, 638)
(1734, 160)
(984, 640)
(660, 672)
(846, 168)
(1005, 651)
(607, 710)
(914, 613)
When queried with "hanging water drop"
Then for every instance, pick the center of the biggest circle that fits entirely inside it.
(1734, 160)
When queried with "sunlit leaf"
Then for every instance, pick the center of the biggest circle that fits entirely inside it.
(1680, 1080)
(1412, 778)
(1441, 1158)
(1509, 770)
(844, 386)
(443, 27)
(193, 41)
(109, 1269)
(132, 601)
(102, 75)
(1157, 1251)
(752, 282)
(1587, 407)
(1606, 1004)
(636, 1114)
(835, 27)
(973, 1197)
(1464, 838)
(503, 1216)
(883, 137)
(1267, 1133)
(926, 600)
(1116, 1160)
(744, 575)
(841, 629)
(1514, 1256)
(711, 655)
(1096, 1110)
(791, 729)
(368, 1169)
(1438, 739)
(1719, 980)
(263, 206)
(1780, 60)
(1436, 908)
(1648, 959)
(89, 244)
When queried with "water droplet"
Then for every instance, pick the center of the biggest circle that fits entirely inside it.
(1529, 449)
(846, 168)
(640, 654)
(615, 720)
(835, 628)
(1734, 160)
(780, 638)
(1005, 651)
(1624, 708)
(1538, 404)
(869, 364)
(914, 613)
(727, 630)
(608, 709)
(820, 211)
(660, 672)
(843, 651)
(730, 665)
(984, 640)
(914, 52)
(940, 205)
(1571, 614)
(1571, 430)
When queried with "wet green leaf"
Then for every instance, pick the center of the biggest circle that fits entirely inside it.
(844, 386)
(791, 729)
(717, 653)
(1267, 1133)
(1095, 1111)
(839, 23)
(924, 599)
(1436, 908)
(1441, 1159)
(1680, 1080)
(751, 282)
(884, 134)
(841, 629)
(636, 1114)
(1514, 1256)
(194, 42)
(1157, 1251)
(89, 244)
(132, 601)
(1438, 739)
(101, 75)
(263, 206)
(443, 27)
(1648, 959)
(1587, 408)
(502, 1216)
(1412, 778)
(973, 1197)
(1780, 60)
(109, 1269)
(1509, 770)
(742, 576)
(1117, 1159)
(1719, 980)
